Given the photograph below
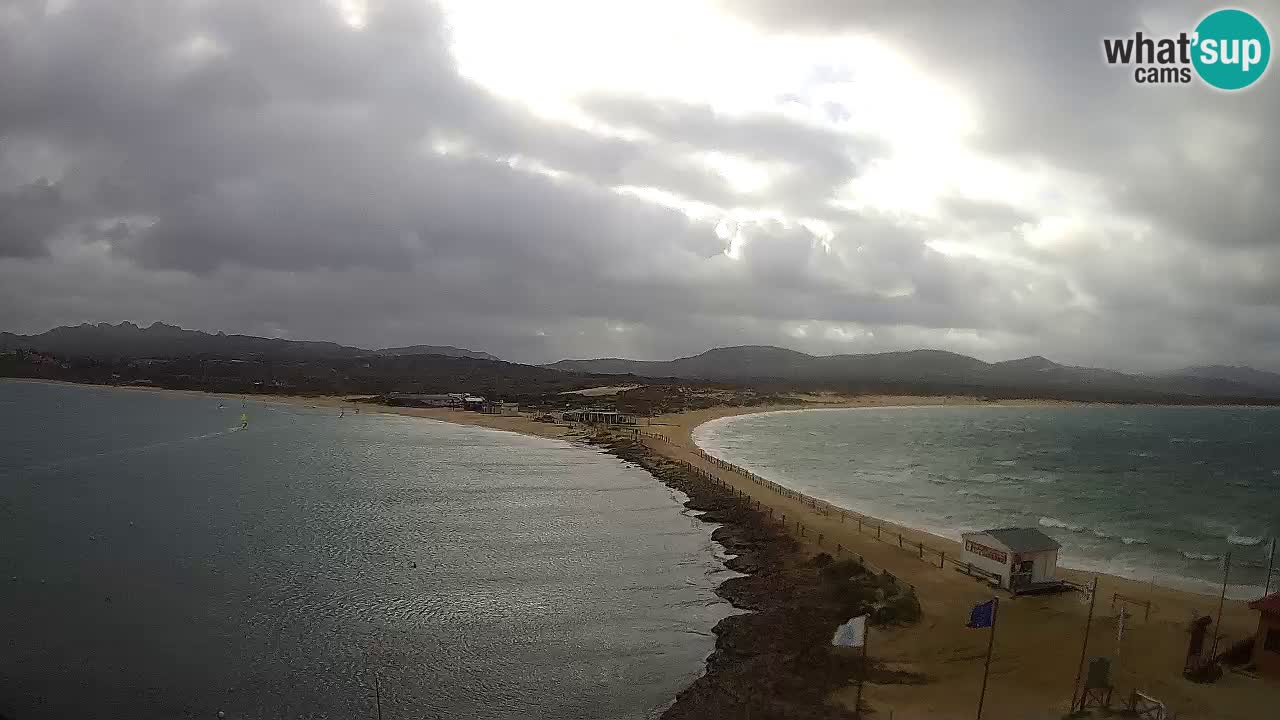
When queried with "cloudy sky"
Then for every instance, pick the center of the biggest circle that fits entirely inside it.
(650, 178)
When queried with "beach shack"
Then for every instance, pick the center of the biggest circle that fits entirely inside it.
(451, 400)
(597, 416)
(1266, 646)
(1024, 559)
(499, 407)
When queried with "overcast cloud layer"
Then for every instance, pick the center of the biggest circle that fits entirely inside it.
(643, 179)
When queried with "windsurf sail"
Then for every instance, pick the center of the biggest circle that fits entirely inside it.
(244, 420)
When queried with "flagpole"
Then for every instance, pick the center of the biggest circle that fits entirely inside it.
(1217, 625)
(1270, 564)
(1084, 649)
(862, 677)
(991, 643)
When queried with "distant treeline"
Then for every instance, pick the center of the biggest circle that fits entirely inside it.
(371, 375)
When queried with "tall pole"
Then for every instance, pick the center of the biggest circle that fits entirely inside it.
(1217, 625)
(991, 643)
(377, 693)
(1084, 648)
(1270, 564)
(862, 677)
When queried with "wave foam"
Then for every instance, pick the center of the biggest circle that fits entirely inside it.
(1134, 541)
(1244, 540)
(1062, 524)
(1207, 557)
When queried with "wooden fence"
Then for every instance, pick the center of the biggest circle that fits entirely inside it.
(869, 526)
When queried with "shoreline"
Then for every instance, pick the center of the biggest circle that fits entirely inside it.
(682, 425)
(1082, 566)
(1043, 624)
(1034, 659)
(775, 659)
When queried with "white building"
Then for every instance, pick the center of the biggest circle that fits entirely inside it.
(1023, 558)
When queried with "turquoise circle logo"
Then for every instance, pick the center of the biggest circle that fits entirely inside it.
(1232, 49)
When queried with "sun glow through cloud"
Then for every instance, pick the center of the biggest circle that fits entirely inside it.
(689, 51)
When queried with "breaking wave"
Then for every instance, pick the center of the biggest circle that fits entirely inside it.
(1207, 557)
(1062, 524)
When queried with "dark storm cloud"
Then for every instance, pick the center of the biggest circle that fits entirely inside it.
(261, 167)
(28, 215)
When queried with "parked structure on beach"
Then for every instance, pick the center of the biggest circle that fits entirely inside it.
(1024, 559)
(594, 416)
(1266, 647)
(499, 407)
(427, 399)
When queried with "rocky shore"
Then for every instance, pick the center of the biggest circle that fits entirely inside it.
(776, 661)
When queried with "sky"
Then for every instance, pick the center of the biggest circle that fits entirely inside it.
(643, 179)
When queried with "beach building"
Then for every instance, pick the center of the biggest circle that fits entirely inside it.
(598, 417)
(1266, 647)
(1024, 559)
(499, 407)
(427, 399)
(473, 402)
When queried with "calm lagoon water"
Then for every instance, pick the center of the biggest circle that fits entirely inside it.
(157, 561)
(1134, 491)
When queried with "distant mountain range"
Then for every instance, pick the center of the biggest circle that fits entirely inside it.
(926, 371)
(1238, 374)
(935, 368)
(127, 340)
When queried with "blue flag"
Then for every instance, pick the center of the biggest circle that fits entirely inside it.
(983, 615)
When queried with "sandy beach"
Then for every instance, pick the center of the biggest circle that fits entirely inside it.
(1038, 647)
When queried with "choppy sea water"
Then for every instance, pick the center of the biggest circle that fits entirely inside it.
(157, 561)
(1142, 492)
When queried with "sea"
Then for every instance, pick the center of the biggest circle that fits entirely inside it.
(1144, 492)
(159, 561)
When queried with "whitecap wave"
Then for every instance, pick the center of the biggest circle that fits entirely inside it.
(1207, 557)
(1134, 541)
(1056, 523)
(1245, 540)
